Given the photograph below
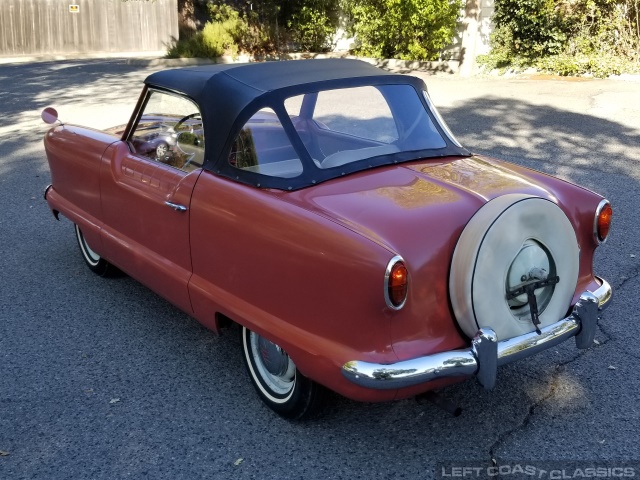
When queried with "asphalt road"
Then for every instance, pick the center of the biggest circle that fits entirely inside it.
(102, 379)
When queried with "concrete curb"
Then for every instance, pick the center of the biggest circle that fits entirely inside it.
(56, 57)
(450, 66)
(157, 59)
(626, 77)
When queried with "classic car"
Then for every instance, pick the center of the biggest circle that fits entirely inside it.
(325, 208)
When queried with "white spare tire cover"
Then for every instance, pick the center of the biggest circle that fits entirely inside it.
(508, 240)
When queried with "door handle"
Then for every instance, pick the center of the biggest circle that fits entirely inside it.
(177, 207)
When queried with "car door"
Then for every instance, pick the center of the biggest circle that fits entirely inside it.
(146, 186)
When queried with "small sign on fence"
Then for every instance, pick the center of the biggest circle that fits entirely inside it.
(74, 8)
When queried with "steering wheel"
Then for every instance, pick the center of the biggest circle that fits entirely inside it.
(187, 157)
(177, 126)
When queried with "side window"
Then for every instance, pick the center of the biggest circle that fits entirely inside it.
(170, 131)
(372, 120)
(262, 146)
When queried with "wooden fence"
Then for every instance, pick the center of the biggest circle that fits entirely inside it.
(41, 27)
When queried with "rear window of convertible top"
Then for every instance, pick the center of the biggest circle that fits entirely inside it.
(337, 127)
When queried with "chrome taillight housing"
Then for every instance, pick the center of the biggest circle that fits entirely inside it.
(602, 221)
(396, 283)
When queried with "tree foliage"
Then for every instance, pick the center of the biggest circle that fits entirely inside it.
(311, 24)
(531, 28)
(598, 37)
(256, 28)
(407, 29)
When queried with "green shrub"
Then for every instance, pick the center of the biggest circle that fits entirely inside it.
(262, 28)
(224, 34)
(407, 29)
(597, 64)
(566, 37)
(191, 47)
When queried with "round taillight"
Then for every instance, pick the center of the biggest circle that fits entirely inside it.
(604, 212)
(396, 283)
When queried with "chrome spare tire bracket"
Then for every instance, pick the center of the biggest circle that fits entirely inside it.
(530, 290)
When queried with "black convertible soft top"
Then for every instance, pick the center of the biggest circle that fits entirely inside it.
(229, 94)
(262, 77)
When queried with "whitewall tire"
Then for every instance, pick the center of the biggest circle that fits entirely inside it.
(276, 379)
(95, 262)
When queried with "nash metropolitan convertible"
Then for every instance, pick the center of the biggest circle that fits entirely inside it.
(325, 207)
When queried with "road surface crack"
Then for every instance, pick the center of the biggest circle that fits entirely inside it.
(635, 273)
(502, 438)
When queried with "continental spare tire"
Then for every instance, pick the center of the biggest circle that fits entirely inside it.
(512, 242)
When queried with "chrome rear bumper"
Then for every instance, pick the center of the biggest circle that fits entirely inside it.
(486, 353)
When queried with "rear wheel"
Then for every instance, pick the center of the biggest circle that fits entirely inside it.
(95, 262)
(277, 380)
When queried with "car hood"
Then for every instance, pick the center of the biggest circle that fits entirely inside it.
(408, 206)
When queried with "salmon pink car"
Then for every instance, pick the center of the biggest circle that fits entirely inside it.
(325, 207)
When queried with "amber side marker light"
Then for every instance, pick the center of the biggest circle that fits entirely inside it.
(604, 212)
(396, 281)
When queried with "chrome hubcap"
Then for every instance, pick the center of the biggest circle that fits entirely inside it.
(274, 359)
(273, 365)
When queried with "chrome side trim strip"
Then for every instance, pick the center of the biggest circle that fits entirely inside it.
(486, 353)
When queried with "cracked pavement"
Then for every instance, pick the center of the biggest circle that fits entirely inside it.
(101, 378)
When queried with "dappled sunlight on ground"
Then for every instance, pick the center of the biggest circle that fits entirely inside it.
(565, 141)
(519, 130)
(569, 392)
(96, 93)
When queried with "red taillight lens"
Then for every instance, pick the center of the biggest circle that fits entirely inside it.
(603, 221)
(397, 284)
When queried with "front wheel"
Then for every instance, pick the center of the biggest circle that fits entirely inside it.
(95, 262)
(277, 380)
